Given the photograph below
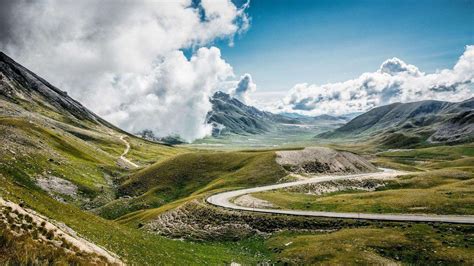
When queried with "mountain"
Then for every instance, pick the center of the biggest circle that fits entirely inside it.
(460, 127)
(59, 159)
(24, 88)
(411, 123)
(230, 116)
(46, 136)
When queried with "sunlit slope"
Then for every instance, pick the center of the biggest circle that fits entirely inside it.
(192, 174)
(134, 246)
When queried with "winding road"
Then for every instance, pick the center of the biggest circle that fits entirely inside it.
(224, 200)
(127, 149)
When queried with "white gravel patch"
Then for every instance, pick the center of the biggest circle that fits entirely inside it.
(323, 160)
(250, 201)
(53, 184)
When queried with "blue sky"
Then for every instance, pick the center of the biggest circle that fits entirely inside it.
(318, 42)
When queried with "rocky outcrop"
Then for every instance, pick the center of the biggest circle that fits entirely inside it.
(323, 160)
(26, 223)
(196, 220)
(357, 184)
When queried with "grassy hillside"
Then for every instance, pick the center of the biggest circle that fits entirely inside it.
(410, 125)
(192, 174)
(42, 149)
(133, 245)
(412, 244)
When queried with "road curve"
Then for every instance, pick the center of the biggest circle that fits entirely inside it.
(223, 200)
(127, 149)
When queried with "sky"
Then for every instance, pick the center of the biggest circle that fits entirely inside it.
(318, 42)
(153, 65)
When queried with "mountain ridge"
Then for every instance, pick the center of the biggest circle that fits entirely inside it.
(427, 120)
(21, 83)
(231, 116)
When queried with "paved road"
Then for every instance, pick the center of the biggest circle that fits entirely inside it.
(223, 200)
(127, 148)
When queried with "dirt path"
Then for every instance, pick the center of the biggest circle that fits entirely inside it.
(127, 149)
(224, 200)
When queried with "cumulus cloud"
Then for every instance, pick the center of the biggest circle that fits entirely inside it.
(394, 81)
(243, 88)
(123, 59)
(173, 98)
(396, 66)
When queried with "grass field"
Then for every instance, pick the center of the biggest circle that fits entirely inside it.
(444, 184)
(88, 159)
(420, 244)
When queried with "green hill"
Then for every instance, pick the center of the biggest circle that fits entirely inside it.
(411, 124)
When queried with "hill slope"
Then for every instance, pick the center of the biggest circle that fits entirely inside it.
(46, 136)
(22, 87)
(405, 124)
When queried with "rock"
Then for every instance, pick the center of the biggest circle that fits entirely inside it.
(323, 160)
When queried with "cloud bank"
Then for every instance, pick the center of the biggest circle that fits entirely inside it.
(394, 81)
(244, 87)
(123, 59)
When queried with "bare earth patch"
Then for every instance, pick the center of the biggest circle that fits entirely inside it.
(323, 160)
(53, 184)
(250, 201)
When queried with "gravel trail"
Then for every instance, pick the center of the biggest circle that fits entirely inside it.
(224, 200)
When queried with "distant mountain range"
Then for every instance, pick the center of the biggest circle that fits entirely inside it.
(230, 116)
(406, 124)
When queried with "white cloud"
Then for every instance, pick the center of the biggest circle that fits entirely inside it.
(394, 81)
(173, 98)
(396, 66)
(243, 88)
(122, 58)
